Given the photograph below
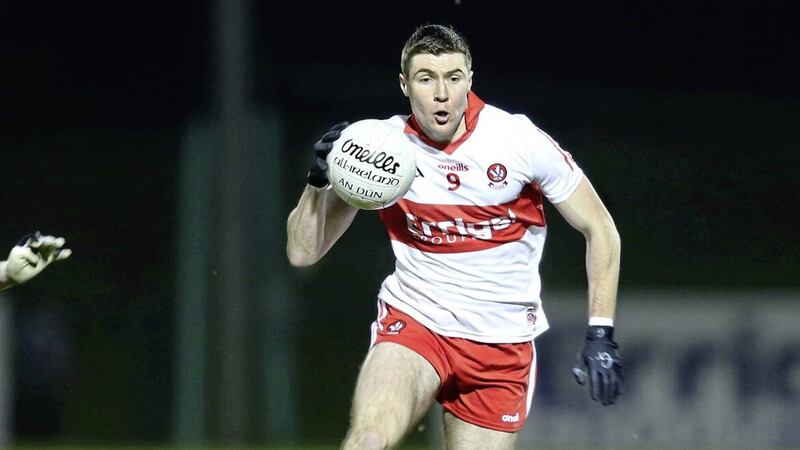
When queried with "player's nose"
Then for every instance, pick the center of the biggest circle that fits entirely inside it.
(441, 94)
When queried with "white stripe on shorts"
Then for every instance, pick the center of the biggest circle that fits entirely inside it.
(531, 381)
(382, 313)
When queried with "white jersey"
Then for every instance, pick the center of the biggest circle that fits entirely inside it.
(469, 234)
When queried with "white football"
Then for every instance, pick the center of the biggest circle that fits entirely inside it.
(372, 164)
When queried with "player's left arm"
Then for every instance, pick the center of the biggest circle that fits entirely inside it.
(599, 362)
(586, 213)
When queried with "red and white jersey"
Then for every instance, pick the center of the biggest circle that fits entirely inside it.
(469, 234)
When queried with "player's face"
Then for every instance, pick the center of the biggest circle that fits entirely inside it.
(437, 87)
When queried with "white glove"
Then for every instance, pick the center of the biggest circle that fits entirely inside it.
(30, 256)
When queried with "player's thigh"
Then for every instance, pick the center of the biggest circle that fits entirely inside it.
(461, 435)
(395, 386)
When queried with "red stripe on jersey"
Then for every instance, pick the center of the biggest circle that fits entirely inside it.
(564, 154)
(463, 228)
(474, 107)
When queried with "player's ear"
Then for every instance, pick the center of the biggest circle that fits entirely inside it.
(403, 85)
(469, 79)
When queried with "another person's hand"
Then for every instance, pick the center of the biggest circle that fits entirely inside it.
(30, 256)
(601, 365)
(318, 174)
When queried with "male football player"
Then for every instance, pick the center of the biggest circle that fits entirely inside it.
(29, 257)
(458, 317)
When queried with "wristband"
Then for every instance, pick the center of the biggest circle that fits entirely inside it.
(596, 321)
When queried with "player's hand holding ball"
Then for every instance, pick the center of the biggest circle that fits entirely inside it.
(600, 364)
(30, 256)
(318, 174)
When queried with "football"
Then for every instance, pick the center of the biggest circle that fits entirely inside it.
(372, 164)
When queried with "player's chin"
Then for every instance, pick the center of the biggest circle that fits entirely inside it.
(439, 131)
(446, 129)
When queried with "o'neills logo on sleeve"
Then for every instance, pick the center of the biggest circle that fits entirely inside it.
(463, 228)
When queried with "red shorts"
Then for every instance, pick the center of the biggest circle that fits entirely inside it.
(489, 385)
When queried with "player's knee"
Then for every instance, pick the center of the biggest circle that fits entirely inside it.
(366, 439)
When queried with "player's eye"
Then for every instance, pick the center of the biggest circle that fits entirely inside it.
(455, 79)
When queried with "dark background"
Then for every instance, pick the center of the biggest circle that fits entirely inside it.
(684, 115)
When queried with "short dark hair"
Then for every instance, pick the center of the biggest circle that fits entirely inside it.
(435, 40)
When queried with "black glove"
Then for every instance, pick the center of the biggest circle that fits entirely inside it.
(601, 359)
(317, 175)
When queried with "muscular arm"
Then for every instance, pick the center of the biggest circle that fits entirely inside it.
(316, 223)
(586, 213)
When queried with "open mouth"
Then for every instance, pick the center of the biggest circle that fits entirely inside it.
(441, 117)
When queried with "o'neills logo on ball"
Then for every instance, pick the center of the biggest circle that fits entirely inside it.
(380, 160)
(367, 174)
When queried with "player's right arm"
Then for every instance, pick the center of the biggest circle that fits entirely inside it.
(320, 217)
(316, 223)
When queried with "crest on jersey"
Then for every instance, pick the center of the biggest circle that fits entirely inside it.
(530, 314)
(395, 327)
(497, 174)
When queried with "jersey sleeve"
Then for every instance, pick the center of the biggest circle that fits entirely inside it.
(551, 167)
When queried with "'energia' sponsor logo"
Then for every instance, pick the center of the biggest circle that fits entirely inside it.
(455, 229)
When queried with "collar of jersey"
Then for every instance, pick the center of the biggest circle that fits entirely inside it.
(474, 107)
